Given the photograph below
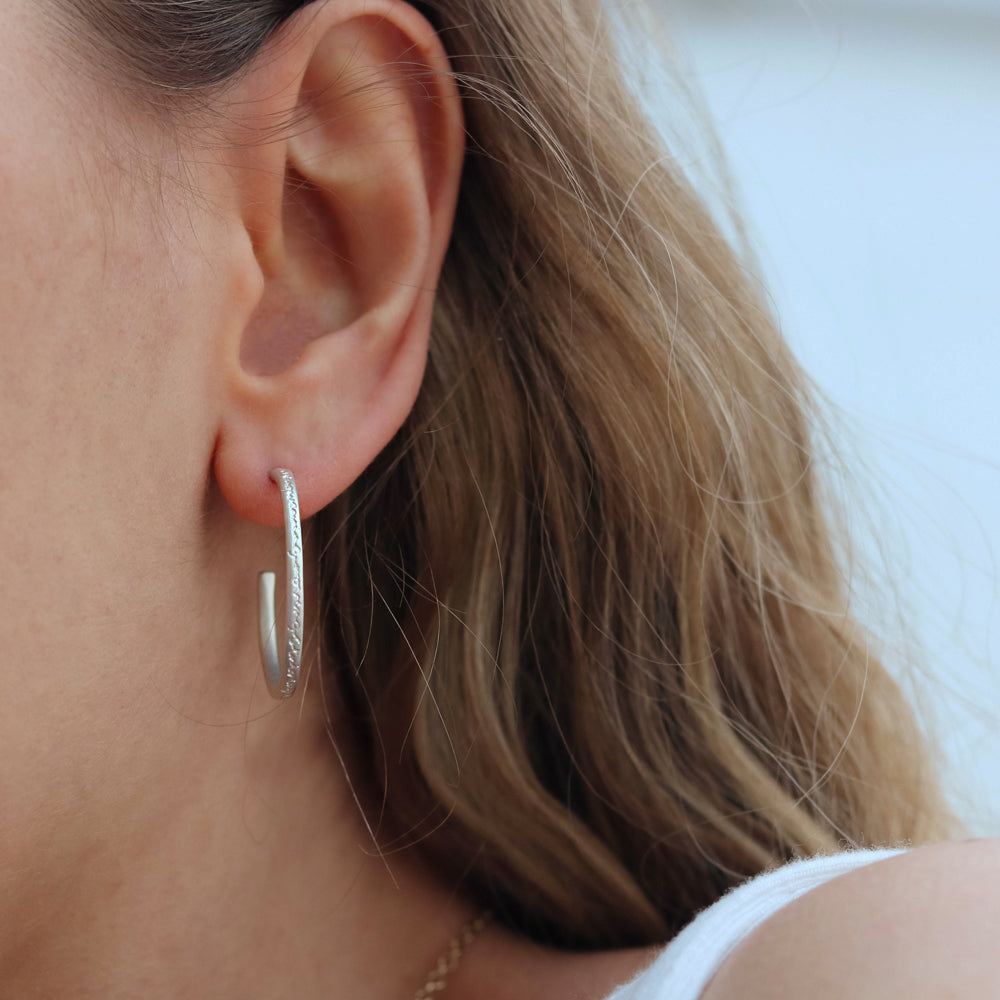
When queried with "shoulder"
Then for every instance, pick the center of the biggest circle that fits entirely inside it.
(921, 924)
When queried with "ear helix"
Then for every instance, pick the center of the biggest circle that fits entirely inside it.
(282, 678)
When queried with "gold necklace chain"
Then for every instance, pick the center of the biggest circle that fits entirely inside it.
(448, 962)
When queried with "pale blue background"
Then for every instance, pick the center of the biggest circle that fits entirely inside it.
(864, 136)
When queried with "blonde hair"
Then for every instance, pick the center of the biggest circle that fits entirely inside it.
(587, 608)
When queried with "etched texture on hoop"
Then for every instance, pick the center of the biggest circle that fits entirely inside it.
(283, 678)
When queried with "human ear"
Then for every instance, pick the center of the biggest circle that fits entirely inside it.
(348, 209)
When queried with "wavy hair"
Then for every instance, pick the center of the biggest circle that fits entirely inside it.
(587, 608)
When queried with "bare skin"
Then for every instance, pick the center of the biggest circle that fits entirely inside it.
(920, 926)
(178, 320)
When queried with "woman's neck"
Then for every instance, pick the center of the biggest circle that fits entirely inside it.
(238, 866)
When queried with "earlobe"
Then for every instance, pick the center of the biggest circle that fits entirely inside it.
(349, 215)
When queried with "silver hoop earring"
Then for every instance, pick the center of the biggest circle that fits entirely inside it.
(282, 679)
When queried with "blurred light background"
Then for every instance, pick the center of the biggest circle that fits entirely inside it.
(864, 140)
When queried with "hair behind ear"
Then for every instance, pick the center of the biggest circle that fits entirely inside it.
(589, 597)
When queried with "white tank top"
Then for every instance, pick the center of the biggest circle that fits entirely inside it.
(685, 966)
